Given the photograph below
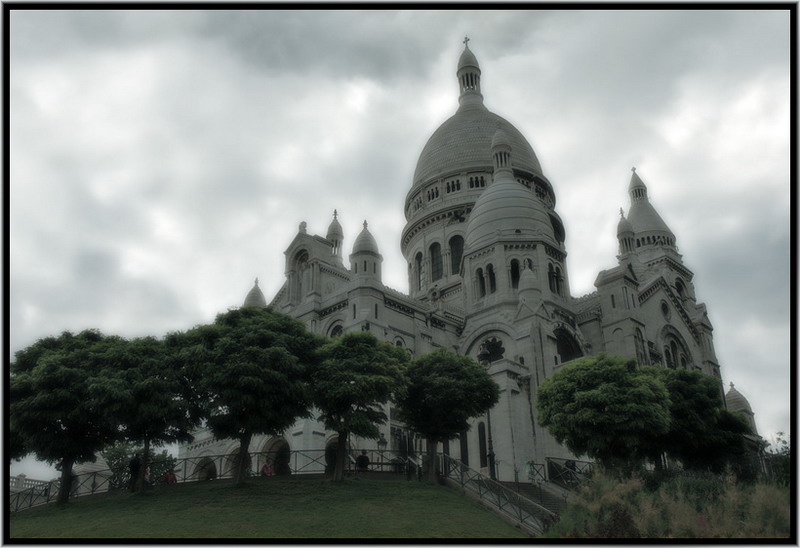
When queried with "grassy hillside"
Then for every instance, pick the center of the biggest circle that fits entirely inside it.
(269, 508)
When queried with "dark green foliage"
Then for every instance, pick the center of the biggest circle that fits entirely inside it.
(357, 375)
(702, 434)
(606, 408)
(58, 389)
(249, 369)
(145, 394)
(443, 391)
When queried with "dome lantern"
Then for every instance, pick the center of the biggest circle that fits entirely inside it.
(469, 78)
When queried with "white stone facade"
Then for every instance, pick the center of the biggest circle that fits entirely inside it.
(488, 277)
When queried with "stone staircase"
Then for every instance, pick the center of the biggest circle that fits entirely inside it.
(551, 497)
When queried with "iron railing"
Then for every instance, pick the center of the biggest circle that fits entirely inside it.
(521, 509)
(536, 472)
(210, 467)
(569, 473)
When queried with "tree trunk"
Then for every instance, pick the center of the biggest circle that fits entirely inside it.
(66, 481)
(140, 485)
(244, 455)
(341, 455)
(432, 462)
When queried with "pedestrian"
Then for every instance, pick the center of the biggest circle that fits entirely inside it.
(362, 461)
(266, 470)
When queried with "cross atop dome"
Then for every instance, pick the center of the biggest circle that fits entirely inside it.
(466, 41)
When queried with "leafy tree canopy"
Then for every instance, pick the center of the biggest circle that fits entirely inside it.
(58, 386)
(702, 434)
(443, 391)
(604, 407)
(249, 368)
(356, 376)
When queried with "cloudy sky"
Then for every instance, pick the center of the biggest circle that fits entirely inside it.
(161, 160)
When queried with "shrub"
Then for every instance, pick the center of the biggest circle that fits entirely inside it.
(675, 505)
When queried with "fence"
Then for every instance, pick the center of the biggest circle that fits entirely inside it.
(520, 509)
(568, 473)
(192, 469)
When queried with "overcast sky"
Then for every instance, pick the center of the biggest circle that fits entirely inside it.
(161, 160)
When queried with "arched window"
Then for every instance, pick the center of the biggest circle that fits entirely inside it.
(514, 274)
(418, 266)
(566, 345)
(668, 358)
(559, 281)
(481, 283)
(436, 261)
(551, 277)
(492, 281)
(680, 288)
(456, 253)
(337, 330)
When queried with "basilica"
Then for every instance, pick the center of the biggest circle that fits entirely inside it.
(488, 278)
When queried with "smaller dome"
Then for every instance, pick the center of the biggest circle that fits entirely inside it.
(624, 226)
(736, 402)
(468, 59)
(335, 229)
(255, 297)
(365, 242)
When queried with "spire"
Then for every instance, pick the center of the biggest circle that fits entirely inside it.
(649, 227)
(469, 78)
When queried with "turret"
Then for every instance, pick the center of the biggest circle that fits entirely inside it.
(625, 235)
(335, 236)
(365, 260)
(255, 297)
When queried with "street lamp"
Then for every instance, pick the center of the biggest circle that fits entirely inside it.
(483, 358)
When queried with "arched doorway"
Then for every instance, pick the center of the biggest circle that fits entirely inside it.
(205, 470)
(277, 454)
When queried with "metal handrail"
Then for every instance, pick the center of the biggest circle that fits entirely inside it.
(569, 473)
(523, 510)
(206, 467)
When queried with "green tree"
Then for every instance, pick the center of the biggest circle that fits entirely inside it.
(702, 434)
(604, 407)
(357, 375)
(443, 391)
(249, 368)
(146, 396)
(57, 386)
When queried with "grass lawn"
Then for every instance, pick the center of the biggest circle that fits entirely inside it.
(269, 508)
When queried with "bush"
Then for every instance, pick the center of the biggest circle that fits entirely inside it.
(675, 505)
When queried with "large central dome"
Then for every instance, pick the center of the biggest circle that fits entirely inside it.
(464, 142)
